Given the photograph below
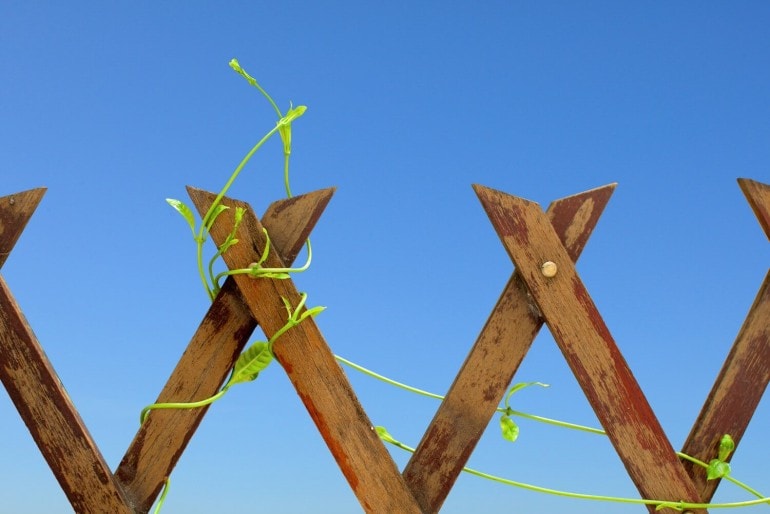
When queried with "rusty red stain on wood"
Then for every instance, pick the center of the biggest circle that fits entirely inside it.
(484, 377)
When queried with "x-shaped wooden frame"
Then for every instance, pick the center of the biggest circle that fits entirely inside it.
(70, 450)
(530, 236)
(531, 240)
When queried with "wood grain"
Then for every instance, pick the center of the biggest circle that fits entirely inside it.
(315, 374)
(744, 376)
(208, 359)
(486, 373)
(589, 348)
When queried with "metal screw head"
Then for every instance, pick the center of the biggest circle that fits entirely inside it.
(549, 269)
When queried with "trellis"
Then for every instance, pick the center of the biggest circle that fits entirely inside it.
(545, 288)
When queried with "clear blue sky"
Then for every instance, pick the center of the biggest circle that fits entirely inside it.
(116, 106)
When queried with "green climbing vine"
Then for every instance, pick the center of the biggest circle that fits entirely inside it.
(258, 355)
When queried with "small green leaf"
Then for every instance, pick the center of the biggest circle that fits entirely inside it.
(518, 387)
(239, 212)
(726, 447)
(717, 469)
(185, 211)
(383, 434)
(249, 364)
(219, 209)
(510, 429)
(292, 114)
(236, 66)
(312, 312)
(227, 244)
(287, 305)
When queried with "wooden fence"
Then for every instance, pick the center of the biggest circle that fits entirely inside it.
(545, 288)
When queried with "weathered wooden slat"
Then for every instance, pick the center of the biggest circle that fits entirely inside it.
(39, 396)
(743, 379)
(736, 392)
(589, 348)
(206, 362)
(487, 371)
(15, 211)
(318, 379)
(758, 195)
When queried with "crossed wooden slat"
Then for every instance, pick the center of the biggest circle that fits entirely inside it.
(74, 457)
(487, 371)
(530, 236)
(603, 374)
(744, 375)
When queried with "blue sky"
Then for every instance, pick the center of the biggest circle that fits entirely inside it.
(116, 106)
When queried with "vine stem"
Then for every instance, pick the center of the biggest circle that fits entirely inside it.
(257, 272)
(203, 230)
(163, 495)
(510, 412)
(680, 506)
(735, 481)
(501, 410)
(181, 405)
(386, 379)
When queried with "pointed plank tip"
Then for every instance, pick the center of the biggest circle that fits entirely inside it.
(15, 212)
(296, 216)
(29, 198)
(488, 195)
(758, 196)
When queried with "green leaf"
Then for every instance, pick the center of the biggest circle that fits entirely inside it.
(287, 305)
(219, 209)
(292, 114)
(519, 387)
(383, 434)
(312, 312)
(726, 447)
(251, 362)
(717, 469)
(185, 211)
(236, 66)
(227, 244)
(239, 212)
(510, 429)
